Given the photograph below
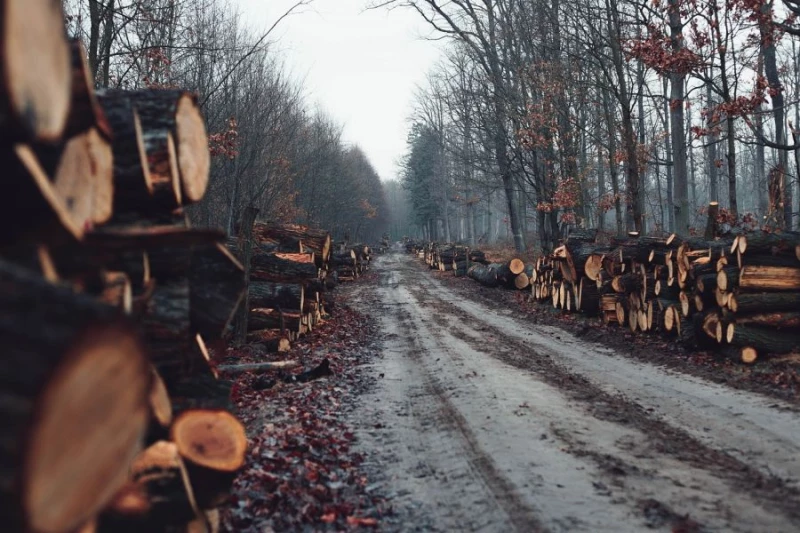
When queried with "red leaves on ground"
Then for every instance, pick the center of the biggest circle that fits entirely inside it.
(301, 470)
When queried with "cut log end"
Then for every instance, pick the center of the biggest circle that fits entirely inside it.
(36, 67)
(104, 374)
(212, 439)
(193, 155)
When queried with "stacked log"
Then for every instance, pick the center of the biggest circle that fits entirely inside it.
(107, 298)
(739, 295)
(291, 270)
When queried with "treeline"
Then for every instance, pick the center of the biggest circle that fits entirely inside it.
(623, 115)
(271, 148)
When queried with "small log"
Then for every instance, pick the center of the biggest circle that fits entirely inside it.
(727, 278)
(177, 113)
(235, 370)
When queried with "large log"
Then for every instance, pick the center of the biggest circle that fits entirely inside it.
(765, 302)
(177, 113)
(213, 444)
(74, 383)
(317, 240)
(285, 268)
(766, 278)
(763, 339)
(35, 79)
(765, 242)
(484, 275)
(217, 287)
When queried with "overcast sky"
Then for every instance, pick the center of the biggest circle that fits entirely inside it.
(361, 66)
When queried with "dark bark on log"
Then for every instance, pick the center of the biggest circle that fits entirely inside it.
(285, 268)
(132, 186)
(485, 275)
(712, 225)
(287, 296)
(217, 287)
(762, 242)
(166, 326)
(777, 320)
(30, 208)
(763, 339)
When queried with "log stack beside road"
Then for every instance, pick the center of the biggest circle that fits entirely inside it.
(114, 418)
(736, 294)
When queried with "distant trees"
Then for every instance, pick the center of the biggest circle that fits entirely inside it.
(271, 150)
(617, 114)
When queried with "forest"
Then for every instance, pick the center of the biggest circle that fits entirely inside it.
(272, 149)
(621, 115)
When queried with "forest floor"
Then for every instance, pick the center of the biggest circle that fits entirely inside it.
(454, 407)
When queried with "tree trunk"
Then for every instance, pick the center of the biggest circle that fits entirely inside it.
(677, 120)
(245, 257)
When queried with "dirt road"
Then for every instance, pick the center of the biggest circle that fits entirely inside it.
(482, 422)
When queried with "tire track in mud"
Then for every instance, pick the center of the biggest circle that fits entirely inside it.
(769, 491)
(520, 516)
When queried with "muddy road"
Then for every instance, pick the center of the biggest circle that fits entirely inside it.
(482, 422)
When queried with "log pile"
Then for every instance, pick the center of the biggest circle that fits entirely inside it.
(687, 290)
(291, 271)
(736, 294)
(113, 418)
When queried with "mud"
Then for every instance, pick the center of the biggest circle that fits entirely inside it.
(482, 420)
